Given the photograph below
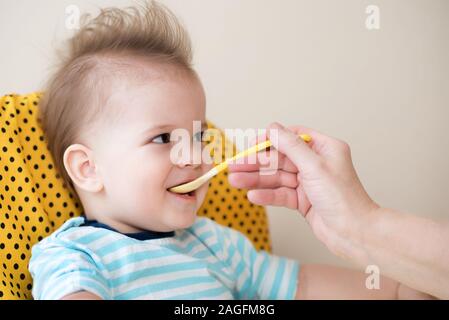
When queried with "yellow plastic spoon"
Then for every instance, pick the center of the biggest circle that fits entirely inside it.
(195, 184)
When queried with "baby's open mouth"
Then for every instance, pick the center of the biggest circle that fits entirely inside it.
(188, 195)
(180, 183)
(185, 196)
(191, 193)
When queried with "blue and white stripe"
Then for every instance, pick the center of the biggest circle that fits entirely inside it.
(205, 261)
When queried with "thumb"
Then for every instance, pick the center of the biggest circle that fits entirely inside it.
(291, 145)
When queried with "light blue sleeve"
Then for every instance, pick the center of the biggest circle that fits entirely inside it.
(260, 275)
(60, 268)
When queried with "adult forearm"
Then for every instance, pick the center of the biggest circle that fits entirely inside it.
(407, 248)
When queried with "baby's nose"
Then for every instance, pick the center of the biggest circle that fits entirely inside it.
(193, 164)
(189, 160)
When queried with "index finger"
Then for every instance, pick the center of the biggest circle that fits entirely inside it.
(269, 158)
(263, 162)
(320, 142)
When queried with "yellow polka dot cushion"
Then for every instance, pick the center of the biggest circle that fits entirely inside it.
(34, 201)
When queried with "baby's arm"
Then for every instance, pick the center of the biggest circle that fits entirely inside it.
(327, 282)
(82, 295)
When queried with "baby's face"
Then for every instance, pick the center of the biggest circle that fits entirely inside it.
(132, 154)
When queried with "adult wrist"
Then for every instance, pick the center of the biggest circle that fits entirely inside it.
(351, 240)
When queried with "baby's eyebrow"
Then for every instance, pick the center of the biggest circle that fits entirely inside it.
(204, 126)
(158, 127)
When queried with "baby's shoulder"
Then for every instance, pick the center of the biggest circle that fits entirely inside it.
(63, 232)
(73, 235)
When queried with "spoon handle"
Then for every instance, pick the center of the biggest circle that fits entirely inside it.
(254, 149)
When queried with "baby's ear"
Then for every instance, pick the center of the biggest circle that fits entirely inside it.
(80, 165)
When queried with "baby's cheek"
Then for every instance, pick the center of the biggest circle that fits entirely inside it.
(144, 178)
(144, 197)
(149, 183)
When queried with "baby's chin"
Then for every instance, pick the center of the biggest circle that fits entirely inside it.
(180, 213)
(181, 220)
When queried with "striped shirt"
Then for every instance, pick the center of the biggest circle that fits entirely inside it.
(205, 261)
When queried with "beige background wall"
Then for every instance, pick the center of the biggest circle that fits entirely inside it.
(310, 62)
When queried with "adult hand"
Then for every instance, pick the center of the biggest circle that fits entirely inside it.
(318, 179)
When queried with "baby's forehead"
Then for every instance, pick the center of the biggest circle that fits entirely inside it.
(136, 68)
(133, 71)
(137, 90)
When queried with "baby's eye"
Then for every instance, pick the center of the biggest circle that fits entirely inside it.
(162, 138)
(199, 136)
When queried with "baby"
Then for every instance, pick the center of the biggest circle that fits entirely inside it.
(108, 113)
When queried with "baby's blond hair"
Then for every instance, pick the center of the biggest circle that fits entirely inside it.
(74, 93)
